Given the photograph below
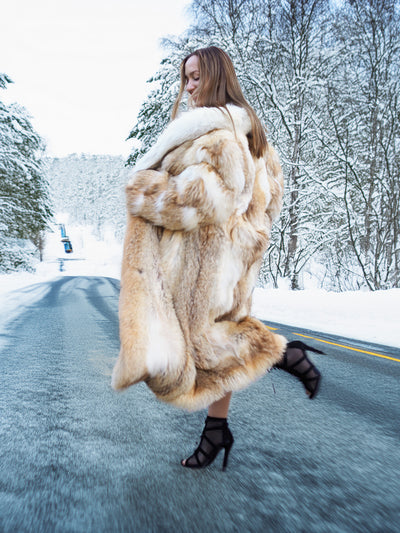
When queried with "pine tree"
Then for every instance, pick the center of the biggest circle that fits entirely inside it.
(24, 202)
(155, 111)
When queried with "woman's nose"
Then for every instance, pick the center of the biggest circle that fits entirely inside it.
(190, 87)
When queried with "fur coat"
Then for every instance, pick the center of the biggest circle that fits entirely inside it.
(200, 209)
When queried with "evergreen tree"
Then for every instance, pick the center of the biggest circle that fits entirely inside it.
(155, 111)
(24, 202)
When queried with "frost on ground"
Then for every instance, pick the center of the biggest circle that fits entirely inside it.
(368, 316)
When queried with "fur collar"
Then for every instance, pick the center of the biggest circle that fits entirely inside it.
(193, 124)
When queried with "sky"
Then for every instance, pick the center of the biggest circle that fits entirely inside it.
(80, 66)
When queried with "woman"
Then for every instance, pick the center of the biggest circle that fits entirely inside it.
(200, 207)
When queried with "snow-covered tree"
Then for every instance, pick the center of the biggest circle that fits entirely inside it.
(90, 189)
(24, 202)
(276, 48)
(361, 139)
(155, 111)
(284, 84)
(323, 76)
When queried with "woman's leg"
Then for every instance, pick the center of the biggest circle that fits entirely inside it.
(220, 408)
(216, 436)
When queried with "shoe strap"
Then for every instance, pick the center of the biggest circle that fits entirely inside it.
(199, 449)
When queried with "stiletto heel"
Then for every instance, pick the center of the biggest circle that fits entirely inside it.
(306, 371)
(215, 437)
(226, 455)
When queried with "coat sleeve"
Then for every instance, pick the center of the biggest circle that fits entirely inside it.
(204, 193)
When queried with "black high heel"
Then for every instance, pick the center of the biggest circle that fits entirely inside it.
(215, 437)
(307, 372)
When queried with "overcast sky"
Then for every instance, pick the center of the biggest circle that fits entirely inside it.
(80, 66)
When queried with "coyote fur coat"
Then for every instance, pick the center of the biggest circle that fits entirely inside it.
(200, 209)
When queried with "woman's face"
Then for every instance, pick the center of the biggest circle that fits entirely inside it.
(192, 75)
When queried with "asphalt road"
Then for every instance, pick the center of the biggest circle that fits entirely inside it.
(75, 456)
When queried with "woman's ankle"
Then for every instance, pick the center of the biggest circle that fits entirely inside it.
(220, 408)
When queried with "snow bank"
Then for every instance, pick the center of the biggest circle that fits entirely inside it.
(369, 316)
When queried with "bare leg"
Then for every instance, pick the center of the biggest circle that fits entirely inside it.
(216, 435)
(220, 408)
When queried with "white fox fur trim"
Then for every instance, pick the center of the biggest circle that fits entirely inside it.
(193, 124)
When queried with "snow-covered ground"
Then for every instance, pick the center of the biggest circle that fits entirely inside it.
(369, 316)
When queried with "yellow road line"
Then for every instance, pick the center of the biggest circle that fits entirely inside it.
(348, 347)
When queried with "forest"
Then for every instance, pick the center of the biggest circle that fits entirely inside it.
(324, 78)
(89, 189)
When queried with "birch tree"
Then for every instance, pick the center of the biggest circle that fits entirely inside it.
(362, 138)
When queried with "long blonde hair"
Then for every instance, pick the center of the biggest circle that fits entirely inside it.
(219, 86)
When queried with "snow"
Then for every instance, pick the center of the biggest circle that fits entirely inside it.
(367, 316)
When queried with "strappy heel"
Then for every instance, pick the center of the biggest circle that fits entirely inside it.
(302, 367)
(215, 437)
